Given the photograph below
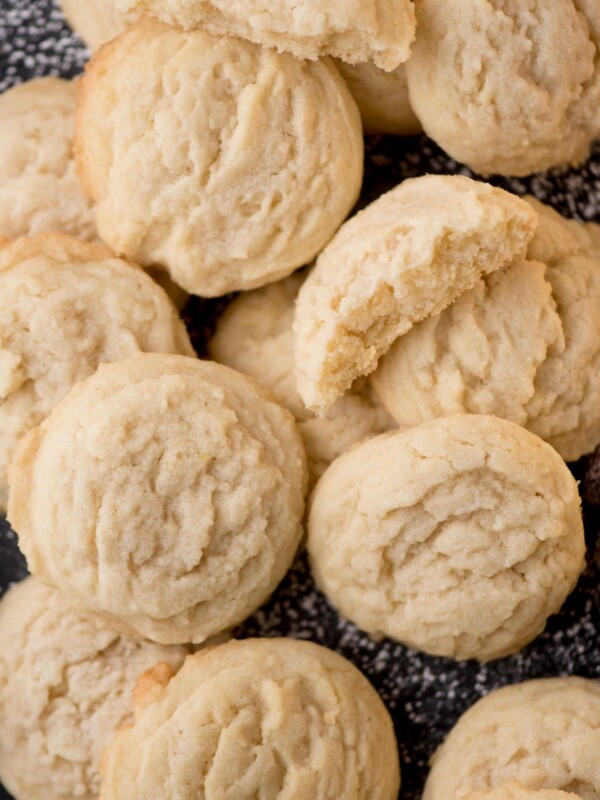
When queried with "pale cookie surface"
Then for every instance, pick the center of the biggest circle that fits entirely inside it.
(228, 164)
(66, 685)
(353, 30)
(96, 21)
(268, 718)
(507, 86)
(459, 537)
(39, 187)
(254, 336)
(382, 98)
(524, 345)
(67, 306)
(543, 733)
(164, 494)
(516, 791)
(406, 256)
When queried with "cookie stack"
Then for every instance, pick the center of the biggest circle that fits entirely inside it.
(408, 400)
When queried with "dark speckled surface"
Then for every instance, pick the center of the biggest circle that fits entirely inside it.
(425, 695)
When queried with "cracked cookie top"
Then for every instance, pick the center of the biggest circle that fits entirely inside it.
(269, 718)
(508, 86)
(353, 30)
(229, 164)
(523, 344)
(459, 537)
(164, 494)
(66, 685)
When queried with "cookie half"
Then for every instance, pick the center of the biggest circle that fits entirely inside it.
(405, 257)
(255, 336)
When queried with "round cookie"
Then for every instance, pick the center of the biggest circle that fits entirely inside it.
(254, 336)
(516, 791)
(382, 98)
(406, 256)
(66, 685)
(542, 733)
(353, 30)
(524, 344)
(96, 21)
(164, 495)
(228, 164)
(505, 86)
(459, 537)
(268, 718)
(67, 306)
(40, 191)
(39, 187)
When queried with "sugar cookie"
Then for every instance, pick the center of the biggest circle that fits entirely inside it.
(254, 336)
(353, 30)
(406, 256)
(543, 733)
(382, 98)
(226, 163)
(459, 537)
(67, 306)
(66, 685)
(505, 86)
(39, 187)
(96, 21)
(524, 344)
(268, 718)
(163, 494)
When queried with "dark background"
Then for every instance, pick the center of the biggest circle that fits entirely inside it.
(424, 695)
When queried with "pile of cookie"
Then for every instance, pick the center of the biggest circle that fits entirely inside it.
(405, 386)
